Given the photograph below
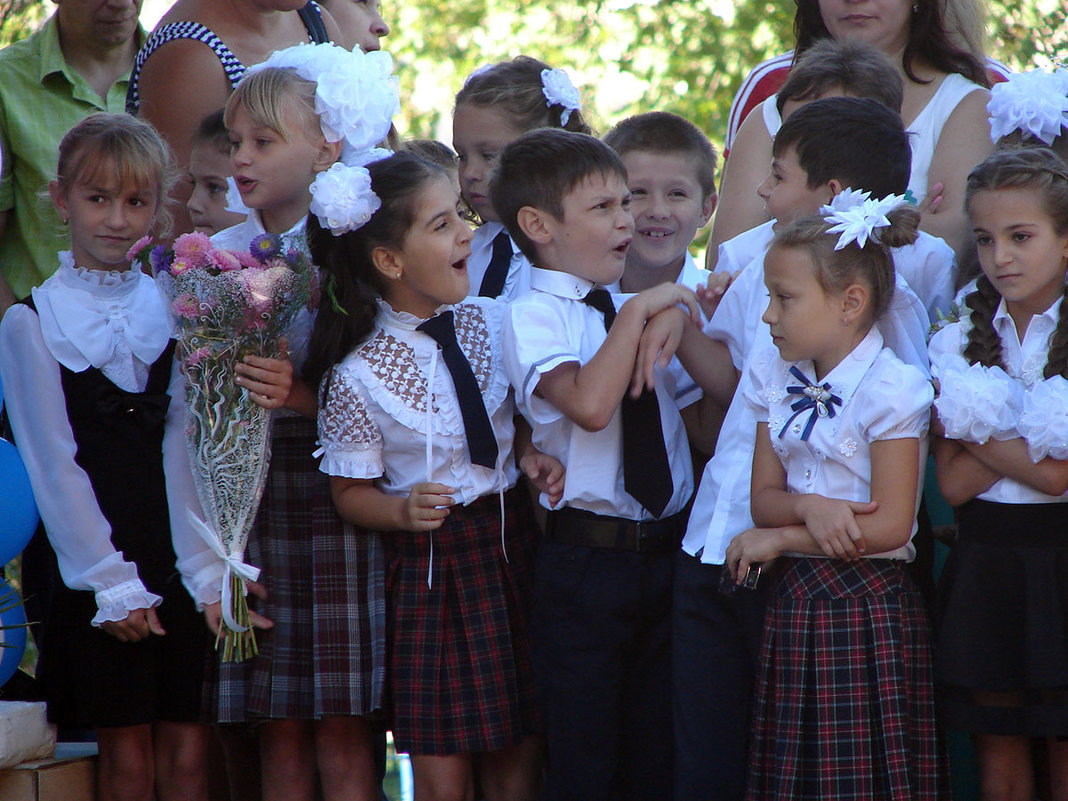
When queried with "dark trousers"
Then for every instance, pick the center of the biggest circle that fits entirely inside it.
(715, 648)
(602, 662)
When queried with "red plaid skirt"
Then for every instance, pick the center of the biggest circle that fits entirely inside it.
(459, 649)
(845, 703)
(325, 583)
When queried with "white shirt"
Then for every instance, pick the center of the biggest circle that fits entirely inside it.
(238, 237)
(882, 399)
(929, 265)
(550, 326)
(377, 422)
(129, 313)
(516, 282)
(721, 507)
(1024, 361)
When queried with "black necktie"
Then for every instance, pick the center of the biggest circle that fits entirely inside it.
(493, 280)
(481, 443)
(646, 471)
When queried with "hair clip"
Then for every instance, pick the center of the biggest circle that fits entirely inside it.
(342, 198)
(476, 72)
(859, 222)
(559, 91)
(1033, 102)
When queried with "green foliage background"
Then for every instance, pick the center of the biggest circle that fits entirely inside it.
(686, 56)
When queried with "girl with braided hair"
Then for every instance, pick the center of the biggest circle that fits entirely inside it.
(1002, 460)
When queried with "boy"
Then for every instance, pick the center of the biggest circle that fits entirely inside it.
(209, 169)
(671, 174)
(601, 625)
(823, 148)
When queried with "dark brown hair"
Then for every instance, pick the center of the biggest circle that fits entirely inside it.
(851, 68)
(664, 132)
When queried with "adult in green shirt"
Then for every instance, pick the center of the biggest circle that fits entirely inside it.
(77, 63)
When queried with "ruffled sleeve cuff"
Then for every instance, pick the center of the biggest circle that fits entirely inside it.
(204, 585)
(115, 603)
(349, 463)
(976, 403)
(1044, 421)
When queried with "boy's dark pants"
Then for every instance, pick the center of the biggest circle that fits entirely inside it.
(716, 645)
(601, 639)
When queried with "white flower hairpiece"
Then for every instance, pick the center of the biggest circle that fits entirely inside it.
(559, 91)
(858, 222)
(846, 199)
(342, 198)
(476, 72)
(356, 94)
(1034, 102)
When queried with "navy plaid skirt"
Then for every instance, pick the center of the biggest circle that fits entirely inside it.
(325, 582)
(845, 704)
(459, 649)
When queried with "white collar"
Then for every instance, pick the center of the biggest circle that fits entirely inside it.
(848, 373)
(561, 284)
(84, 314)
(391, 318)
(1003, 319)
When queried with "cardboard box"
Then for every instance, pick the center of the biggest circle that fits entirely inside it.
(69, 776)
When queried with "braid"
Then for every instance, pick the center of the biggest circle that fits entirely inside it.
(984, 344)
(1057, 360)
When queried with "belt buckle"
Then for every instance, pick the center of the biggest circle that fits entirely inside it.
(644, 536)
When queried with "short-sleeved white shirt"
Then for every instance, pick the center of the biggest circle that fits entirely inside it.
(1025, 361)
(550, 326)
(721, 507)
(391, 411)
(882, 399)
(516, 282)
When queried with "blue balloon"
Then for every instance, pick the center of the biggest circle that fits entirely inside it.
(18, 512)
(12, 631)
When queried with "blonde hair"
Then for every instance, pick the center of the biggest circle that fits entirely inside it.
(105, 147)
(872, 264)
(264, 95)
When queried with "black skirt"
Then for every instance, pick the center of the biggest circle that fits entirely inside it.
(1002, 621)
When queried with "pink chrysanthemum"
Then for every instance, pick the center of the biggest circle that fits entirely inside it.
(195, 248)
(225, 260)
(186, 305)
(137, 247)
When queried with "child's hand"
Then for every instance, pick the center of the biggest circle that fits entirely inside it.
(754, 546)
(213, 612)
(137, 625)
(659, 340)
(713, 291)
(664, 296)
(545, 472)
(426, 507)
(933, 202)
(268, 381)
(833, 525)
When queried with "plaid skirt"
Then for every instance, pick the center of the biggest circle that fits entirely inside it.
(459, 649)
(325, 582)
(845, 705)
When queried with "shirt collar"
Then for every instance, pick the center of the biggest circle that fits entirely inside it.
(1003, 322)
(52, 60)
(390, 317)
(848, 373)
(561, 284)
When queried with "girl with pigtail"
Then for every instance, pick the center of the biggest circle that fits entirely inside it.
(1002, 461)
(844, 698)
(497, 104)
(416, 426)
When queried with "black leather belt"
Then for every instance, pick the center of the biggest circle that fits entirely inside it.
(586, 529)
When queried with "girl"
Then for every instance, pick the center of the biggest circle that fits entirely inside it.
(95, 400)
(1002, 645)
(321, 670)
(420, 445)
(844, 703)
(498, 104)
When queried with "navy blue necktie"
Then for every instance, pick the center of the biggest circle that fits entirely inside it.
(500, 260)
(481, 443)
(646, 470)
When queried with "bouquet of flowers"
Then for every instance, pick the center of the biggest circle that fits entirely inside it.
(227, 305)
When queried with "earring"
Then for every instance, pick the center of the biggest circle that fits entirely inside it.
(844, 322)
(915, 8)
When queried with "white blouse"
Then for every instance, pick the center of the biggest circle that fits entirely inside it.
(977, 403)
(516, 282)
(391, 411)
(882, 398)
(116, 322)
